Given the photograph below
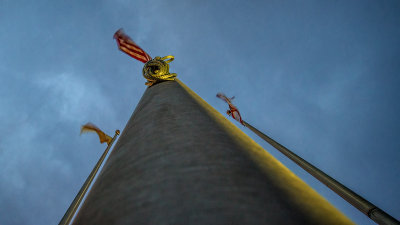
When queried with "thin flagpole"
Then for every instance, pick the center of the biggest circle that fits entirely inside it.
(78, 199)
(369, 209)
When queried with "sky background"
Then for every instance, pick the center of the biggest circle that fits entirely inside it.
(320, 77)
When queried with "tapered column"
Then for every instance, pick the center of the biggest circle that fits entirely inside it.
(179, 161)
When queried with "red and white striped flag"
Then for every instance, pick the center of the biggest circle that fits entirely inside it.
(126, 45)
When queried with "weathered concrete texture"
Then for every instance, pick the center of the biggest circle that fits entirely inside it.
(178, 161)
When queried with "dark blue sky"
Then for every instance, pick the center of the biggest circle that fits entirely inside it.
(320, 77)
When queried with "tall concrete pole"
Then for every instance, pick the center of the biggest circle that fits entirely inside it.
(179, 161)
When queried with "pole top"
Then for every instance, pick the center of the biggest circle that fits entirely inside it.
(157, 70)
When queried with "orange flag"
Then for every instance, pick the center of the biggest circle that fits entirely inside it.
(89, 127)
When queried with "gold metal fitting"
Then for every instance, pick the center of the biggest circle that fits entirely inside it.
(157, 70)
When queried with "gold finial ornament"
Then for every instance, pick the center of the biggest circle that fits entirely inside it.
(157, 70)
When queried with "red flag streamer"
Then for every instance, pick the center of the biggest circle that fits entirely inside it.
(126, 45)
(233, 110)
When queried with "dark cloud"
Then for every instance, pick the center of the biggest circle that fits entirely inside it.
(319, 77)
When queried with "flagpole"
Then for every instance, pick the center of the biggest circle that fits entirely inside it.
(369, 209)
(78, 199)
(179, 161)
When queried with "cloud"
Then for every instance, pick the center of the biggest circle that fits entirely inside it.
(40, 151)
(319, 77)
(74, 97)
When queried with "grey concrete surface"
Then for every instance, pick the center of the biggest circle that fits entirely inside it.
(178, 161)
